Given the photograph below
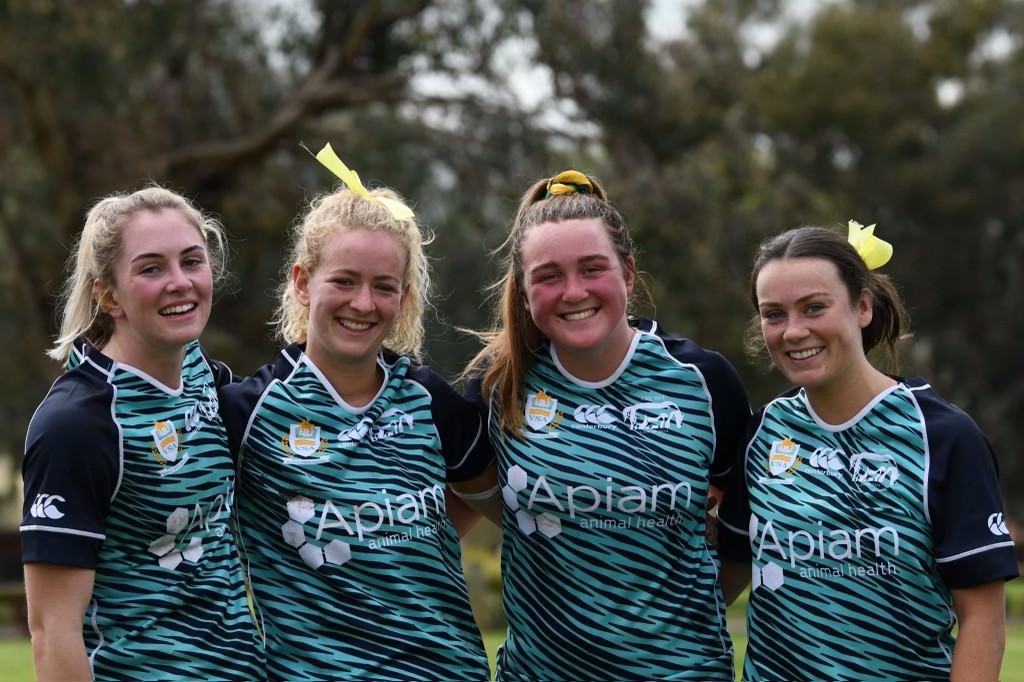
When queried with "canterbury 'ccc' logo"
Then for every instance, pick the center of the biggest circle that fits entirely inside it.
(45, 507)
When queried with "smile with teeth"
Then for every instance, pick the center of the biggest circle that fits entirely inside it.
(580, 314)
(355, 325)
(178, 309)
(804, 354)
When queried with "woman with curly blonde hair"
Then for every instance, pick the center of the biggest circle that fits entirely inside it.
(348, 447)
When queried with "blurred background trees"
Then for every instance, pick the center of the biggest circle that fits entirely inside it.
(713, 125)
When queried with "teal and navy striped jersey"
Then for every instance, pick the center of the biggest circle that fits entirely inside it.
(608, 574)
(133, 479)
(859, 531)
(355, 568)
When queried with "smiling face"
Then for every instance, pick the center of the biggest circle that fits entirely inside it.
(576, 289)
(354, 297)
(811, 327)
(162, 291)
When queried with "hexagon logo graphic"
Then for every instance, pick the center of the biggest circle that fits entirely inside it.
(166, 548)
(300, 510)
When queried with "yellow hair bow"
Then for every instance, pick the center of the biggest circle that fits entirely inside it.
(569, 182)
(875, 252)
(330, 160)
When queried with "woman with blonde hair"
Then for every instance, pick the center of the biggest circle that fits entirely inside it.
(347, 448)
(131, 569)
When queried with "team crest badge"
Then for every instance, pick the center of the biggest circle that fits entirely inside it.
(541, 409)
(304, 439)
(165, 441)
(784, 455)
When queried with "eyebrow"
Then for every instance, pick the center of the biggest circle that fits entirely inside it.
(584, 259)
(355, 273)
(802, 299)
(190, 249)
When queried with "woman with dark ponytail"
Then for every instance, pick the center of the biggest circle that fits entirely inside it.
(868, 514)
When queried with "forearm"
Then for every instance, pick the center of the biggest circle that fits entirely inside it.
(981, 615)
(734, 577)
(59, 656)
(57, 598)
(482, 494)
(462, 516)
(978, 655)
(487, 503)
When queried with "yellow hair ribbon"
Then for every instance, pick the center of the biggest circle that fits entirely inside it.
(875, 252)
(330, 160)
(569, 182)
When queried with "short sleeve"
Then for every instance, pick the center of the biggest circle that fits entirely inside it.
(971, 539)
(237, 401)
(734, 512)
(71, 472)
(460, 426)
(731, 410)
(730, 407)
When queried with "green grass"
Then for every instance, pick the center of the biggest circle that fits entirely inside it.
(16, 655)
(16, 660)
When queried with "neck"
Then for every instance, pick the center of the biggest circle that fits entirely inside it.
(840, 401)
(600, 362)
(357, 383)
(164, 366)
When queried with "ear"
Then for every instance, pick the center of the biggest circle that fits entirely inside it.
(629, 274)
(300, 282)
(105, 299)
(865, 307)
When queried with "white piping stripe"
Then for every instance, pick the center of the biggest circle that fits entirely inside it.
(979, 550)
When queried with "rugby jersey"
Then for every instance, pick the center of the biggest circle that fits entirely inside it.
(355, 568)
(857, 533)
(133, 479)
(608, 574)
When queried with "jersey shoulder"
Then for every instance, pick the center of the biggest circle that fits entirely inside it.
(77, 407)
(687, 351)
(941, 417)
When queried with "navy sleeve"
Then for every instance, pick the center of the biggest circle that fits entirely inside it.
(730, 406)
(237, 402)
(464, 443)
(71, 471)
(734, 512)
(731, 409)
(972, 543)
(222, 374)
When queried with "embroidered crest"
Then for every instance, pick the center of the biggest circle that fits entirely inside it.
(784, 455)
(165, 442)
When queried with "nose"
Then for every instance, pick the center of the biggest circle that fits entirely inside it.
(575, 290)
(362, 300)
(794, 330)
(178, 279)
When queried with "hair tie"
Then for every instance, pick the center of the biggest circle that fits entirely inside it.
(873, 251)
(569, 182)
(330, 160)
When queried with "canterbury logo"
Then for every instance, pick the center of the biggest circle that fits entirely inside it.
(997, 525)
(45, 507)
(593, 414)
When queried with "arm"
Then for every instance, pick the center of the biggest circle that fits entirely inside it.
(482, 494)
(462, 516)
(57, 599)
(981, 640)
(734, 577)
